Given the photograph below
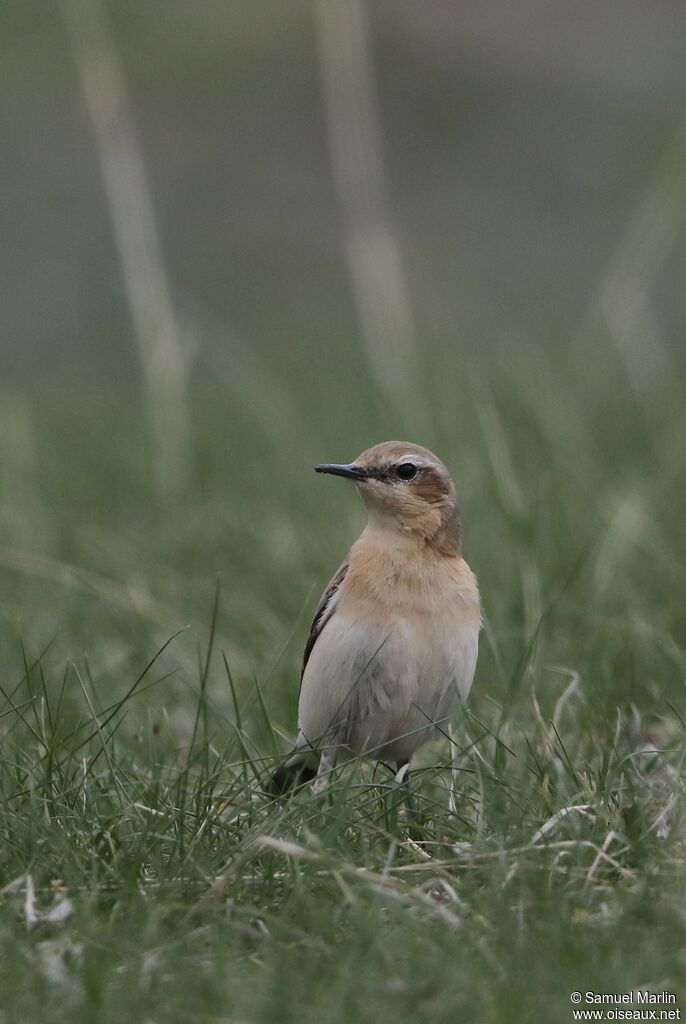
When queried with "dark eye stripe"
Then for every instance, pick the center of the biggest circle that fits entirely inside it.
(389, 473)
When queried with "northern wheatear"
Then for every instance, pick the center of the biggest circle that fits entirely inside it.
(393, 646)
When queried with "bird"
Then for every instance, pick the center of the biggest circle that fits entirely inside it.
(393, 646)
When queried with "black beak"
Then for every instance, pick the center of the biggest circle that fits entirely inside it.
(351, 471)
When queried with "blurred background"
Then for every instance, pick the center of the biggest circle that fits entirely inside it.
(240, 239)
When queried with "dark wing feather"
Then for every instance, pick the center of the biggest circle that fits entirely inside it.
(297, 771)
(323, 614)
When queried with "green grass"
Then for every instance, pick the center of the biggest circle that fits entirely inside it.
(548, 850)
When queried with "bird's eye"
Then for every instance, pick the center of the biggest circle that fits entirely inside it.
(407, 471)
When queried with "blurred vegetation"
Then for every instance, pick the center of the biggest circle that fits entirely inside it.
(519, 178)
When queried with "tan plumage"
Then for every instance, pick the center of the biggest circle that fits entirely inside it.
(393, 644)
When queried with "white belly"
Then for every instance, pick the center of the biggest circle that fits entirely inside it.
(384, 693)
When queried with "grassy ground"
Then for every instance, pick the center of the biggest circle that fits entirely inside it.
(144, 873)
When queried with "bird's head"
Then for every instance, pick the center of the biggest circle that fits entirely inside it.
(408, 489)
